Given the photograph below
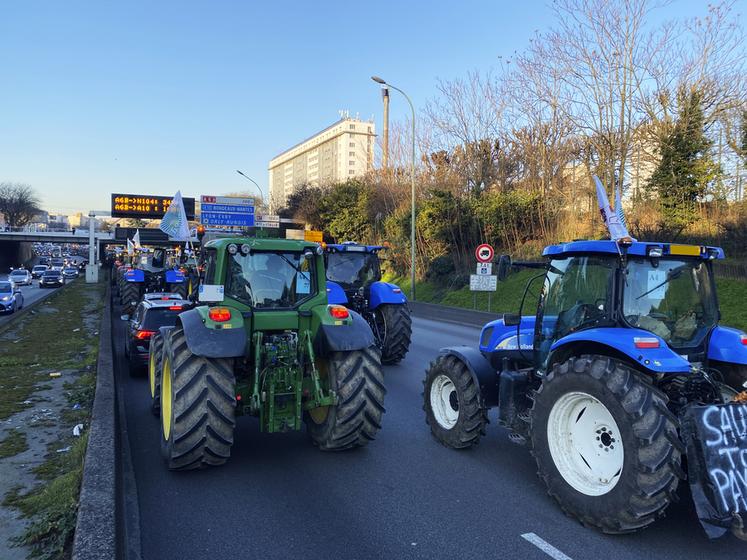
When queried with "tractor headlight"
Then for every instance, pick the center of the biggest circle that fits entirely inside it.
(319, 250)
(245, 249)
(232, 249)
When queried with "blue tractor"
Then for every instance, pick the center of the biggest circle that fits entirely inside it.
(625, 339)
(151, 273)
(354, 280)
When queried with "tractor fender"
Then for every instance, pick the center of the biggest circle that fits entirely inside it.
(134, 275)
(211, 342)
(335, 294)
(384, 292)
(174, 277)
(725, 345)
(356, 335)
(483, 374)
(621, 341)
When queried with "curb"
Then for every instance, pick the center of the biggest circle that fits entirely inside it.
(95, 530)
(448, 314)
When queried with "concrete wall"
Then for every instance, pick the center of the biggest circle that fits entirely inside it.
(13, 254)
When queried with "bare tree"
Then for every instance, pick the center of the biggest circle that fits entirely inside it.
(18, 203)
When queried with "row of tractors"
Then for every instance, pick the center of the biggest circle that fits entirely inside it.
(599, 383)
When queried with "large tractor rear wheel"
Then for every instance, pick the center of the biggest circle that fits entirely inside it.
(180, 288)
(453, 404)
(357, 379)
(154, 372)
(395, 327)
(198, 405)
(130, 297)
(605, 443)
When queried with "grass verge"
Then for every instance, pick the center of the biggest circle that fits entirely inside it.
(61, 336)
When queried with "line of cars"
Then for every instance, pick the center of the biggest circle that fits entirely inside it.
(53, 272)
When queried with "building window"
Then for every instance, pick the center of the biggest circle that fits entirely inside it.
(351, 172)
(351, 154)
(369, 130)
(352, 144)
(351, 162)
(352, 127)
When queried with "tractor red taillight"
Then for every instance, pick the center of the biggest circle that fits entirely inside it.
(175, 307)
(144, 335)
(339, 312)
(397, 290)
(744, 339)
(219, 314)
(646, 342)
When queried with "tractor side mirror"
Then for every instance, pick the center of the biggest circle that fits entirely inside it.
(511, 319)
(504, 267)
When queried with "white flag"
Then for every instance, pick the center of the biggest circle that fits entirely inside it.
(174, 222)
(611, 218)
(136, 240)
(130, 248)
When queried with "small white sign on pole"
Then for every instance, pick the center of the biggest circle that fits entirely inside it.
(484, 269)
(483, 283)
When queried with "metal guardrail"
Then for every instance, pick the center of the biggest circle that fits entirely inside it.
(732, 271)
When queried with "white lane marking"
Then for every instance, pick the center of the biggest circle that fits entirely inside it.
(545, 546)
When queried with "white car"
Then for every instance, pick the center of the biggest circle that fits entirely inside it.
(20, 277)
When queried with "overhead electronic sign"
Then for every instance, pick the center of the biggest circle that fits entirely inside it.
(147, 206)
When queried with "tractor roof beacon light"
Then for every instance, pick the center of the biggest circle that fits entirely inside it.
(245, 249)
(232, 249)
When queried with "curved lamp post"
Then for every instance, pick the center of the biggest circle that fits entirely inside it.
(383, 82)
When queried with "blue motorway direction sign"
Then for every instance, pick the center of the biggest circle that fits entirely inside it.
(222, 213)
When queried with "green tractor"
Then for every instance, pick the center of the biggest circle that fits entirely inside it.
(263, 341)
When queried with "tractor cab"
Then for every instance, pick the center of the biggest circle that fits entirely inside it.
(353, 267)
(663, 296)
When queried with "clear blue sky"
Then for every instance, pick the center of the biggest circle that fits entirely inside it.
(150, 97)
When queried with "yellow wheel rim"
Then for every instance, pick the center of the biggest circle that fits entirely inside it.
(319, 414)
(166, 398)
(152, 375)
(189, 287)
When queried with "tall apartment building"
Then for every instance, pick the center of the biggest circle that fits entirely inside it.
(340, 152)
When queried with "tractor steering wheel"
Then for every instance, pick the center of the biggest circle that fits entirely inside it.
(580, 314)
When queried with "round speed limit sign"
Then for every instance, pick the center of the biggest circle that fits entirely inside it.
(484, 253)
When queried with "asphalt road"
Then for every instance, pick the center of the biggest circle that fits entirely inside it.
(404, 496)
(30, 294)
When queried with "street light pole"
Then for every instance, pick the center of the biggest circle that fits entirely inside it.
(412, 185)
(255, 184)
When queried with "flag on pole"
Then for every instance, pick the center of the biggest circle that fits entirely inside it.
(174, 222)
(619, 209)
(130, 248)
(136, 240)
(612, 218)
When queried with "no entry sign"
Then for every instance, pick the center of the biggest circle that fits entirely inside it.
(484, 253)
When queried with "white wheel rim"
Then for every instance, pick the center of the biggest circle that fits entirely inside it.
(444, 402)
(585, 443)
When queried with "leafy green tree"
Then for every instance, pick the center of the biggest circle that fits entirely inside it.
(685, 169)
(344, 212)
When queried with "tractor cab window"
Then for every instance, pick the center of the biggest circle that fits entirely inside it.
(210, 267)
(266, 280)
(673, 299)
(576, 296)
(353, 269)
